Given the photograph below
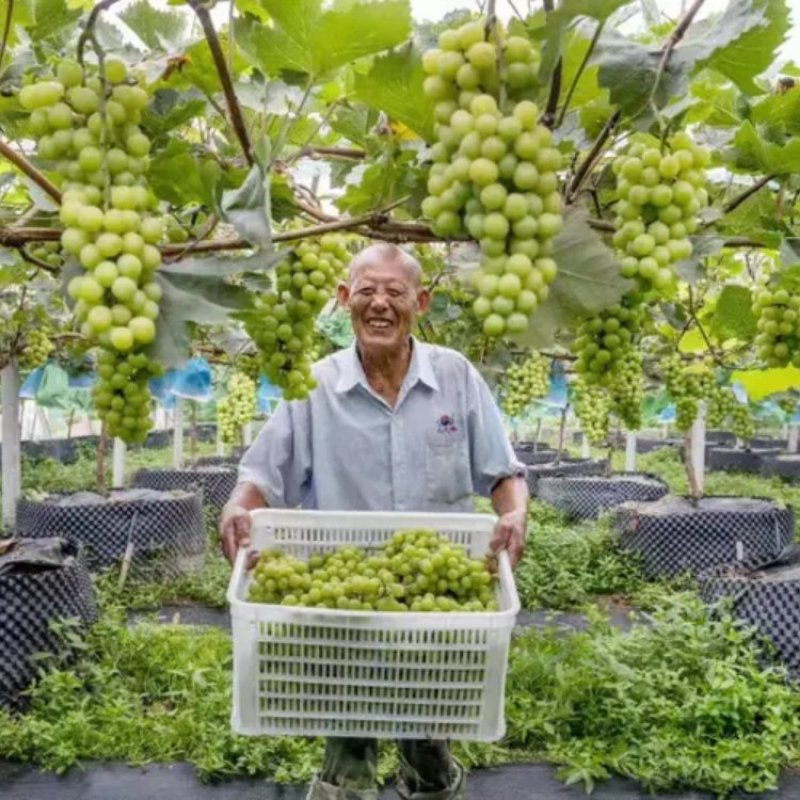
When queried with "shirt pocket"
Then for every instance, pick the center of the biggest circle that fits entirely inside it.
(447, 467)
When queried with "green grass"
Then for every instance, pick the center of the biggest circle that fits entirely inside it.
(682, 700)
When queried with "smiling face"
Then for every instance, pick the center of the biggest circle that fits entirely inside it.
(384, 297)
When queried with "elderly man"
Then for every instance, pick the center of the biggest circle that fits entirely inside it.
(393, 424)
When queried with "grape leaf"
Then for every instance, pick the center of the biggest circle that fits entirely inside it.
(178, 176)
(740, 42)
(588, 280)
(51, 18)
(394, 85)
(167, 111)
(629, 69)
(158, 29)
(733, 315)
(751, 152)
(187, 298)
(220, 266)
(247, 208)
(307, 39)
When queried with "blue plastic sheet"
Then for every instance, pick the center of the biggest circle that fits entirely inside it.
(268, 396)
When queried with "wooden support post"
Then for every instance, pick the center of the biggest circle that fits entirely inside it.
(118, 469)
(630, 451)
(9, 406)
(177, 441)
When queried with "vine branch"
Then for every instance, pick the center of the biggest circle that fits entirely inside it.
(232, 101)
(37, 262)
(25, 166)
(672, 41)
(548, 118)
(740, 198)
(592, 156)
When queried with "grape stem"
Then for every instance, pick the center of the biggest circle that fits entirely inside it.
(574, 84)
(740, 198)
(88, 31)
(591, 158)
(225, 78)
(25, 166)
(37, 262)
(549, 115)
(311, 151)
(672, 41)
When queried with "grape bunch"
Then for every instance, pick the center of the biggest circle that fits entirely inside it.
(416, 570)
(88, 133)
(788, 403)
(605, 339)
(688, 384)
(607, 357)
(592, 407)
(778, 314)
(48, 252)
(283, 323)
(36, 349)
(742, 422)
(494, 172)
(660, 194)
(237, 409)
(720, 406)
(526, 382)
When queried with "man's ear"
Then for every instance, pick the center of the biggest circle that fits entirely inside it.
(343, 294)
(423, 300)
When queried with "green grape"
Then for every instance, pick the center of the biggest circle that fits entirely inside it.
(283, 325)
(592, 406)
(661, 191)
(788, 403)
(526, 382)
(495, 171)
(237, 409)
(95, 150)
(415, 570)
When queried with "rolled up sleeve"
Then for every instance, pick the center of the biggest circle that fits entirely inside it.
(491, 454)
(278, 462)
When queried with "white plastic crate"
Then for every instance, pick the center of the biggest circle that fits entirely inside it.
(402, 675)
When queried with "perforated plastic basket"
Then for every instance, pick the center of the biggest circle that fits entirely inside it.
(405, 675)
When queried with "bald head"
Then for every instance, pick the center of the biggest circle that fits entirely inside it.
(385, 253)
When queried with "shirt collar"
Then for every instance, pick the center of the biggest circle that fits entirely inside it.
(419, 370)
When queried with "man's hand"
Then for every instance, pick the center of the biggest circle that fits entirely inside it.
(234, 528)
(509, 534)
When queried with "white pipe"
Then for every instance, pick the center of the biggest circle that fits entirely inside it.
(247, 434)
(9, 404)
(177, 439)
(630, 451)
(698, 449)
(791, 445)
(118, 464)
(586, 448)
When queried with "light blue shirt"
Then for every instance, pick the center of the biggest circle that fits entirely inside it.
(345, 448)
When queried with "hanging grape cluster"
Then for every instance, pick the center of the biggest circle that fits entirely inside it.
(48, 252)
(416, 570)
(788, 403)
(36, 349)
(661, 191)
(688, 383)
(778, 314)
(495, 170)
(88, 131)
(725, 411)
(592, 407)
(607, 356)
(237, 409)
(283, 323)
(526, 382)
